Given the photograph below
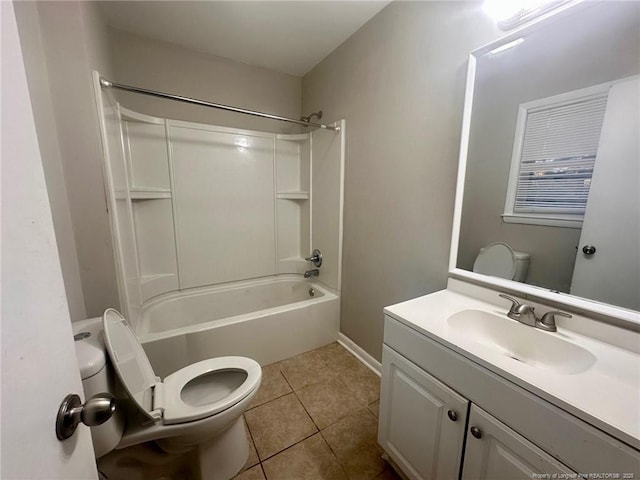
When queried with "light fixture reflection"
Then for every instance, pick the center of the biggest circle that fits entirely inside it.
(242, 143)
(509, 14)
(503, 9)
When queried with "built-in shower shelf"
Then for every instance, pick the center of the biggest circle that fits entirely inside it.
(149, 193)
(293, 195)
(153, 285)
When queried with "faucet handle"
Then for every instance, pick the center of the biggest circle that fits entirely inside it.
(315, 258)
(514, 303)
(549, 318)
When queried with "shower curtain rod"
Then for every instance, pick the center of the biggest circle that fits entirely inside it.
(104, 83)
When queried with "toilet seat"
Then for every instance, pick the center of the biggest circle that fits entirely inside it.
(223, 392)
(194, 392)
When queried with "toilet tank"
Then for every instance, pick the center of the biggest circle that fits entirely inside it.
(97, 377)
(522, 265)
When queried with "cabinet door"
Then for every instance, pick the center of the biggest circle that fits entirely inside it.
(496, 452)
(422, 421)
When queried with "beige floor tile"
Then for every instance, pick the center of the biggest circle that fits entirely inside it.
(374, 408)
(273, 386)
(278, 424)
(364, 383)
(305, 369)
(254, 473)
(329, 401)
(308, 460)
(354, 441)
(336, 356)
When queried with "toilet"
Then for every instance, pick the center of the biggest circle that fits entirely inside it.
(500, 260)
(198, 407)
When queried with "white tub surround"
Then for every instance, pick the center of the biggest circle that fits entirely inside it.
(555, 391)
(195, 205)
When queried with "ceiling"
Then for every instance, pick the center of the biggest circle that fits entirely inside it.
(287, 36)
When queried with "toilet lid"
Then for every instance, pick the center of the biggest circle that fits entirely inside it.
(496, 259)
(129, 361)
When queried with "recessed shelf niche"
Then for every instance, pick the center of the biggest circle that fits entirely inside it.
(147, 158)
(293, 204)
(146, 150)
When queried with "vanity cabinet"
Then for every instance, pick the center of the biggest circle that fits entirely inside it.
(422, 421)
(422, 428)
(519, 433)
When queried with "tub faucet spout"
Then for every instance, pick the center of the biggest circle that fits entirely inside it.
(312, 273)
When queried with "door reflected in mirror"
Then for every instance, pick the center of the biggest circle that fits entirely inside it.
(553, 153)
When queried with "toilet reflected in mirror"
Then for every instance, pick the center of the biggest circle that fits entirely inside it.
(500, 260)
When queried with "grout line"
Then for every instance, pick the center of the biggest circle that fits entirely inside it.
(268, 401)
(287, 381)
(289, 447)
(334, 454)
(307, 411)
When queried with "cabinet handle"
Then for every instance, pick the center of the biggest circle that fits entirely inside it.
(476, 432)
(453, 416)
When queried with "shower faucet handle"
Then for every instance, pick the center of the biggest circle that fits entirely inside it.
(315, 258)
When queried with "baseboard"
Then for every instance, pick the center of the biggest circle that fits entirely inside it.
(360, 354)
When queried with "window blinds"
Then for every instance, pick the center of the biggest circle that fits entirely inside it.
(558, 156)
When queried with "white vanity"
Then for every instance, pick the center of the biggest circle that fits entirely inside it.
(470, 393)
(496, 402)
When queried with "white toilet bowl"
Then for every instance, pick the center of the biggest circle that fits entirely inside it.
(199, 406)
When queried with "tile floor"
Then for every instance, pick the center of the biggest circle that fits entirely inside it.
(315, 418)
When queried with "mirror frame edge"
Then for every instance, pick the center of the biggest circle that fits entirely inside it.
(618, 316)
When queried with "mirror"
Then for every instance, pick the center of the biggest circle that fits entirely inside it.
(552, 69)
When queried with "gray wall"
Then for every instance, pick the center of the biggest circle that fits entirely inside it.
(173, 69)
(62, 42)
(558, 59)
(399, 83)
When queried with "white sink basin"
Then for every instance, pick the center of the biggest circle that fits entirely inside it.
(521, 343)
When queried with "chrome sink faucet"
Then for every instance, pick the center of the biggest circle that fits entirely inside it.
(526, 314)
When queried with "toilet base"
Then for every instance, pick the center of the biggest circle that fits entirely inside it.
(224, 456)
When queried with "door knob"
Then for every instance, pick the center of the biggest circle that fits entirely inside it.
(476, 432)
(97, 410)
(453, 416)
(588, 249)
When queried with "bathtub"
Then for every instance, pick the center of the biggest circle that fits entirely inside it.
(267, 319)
